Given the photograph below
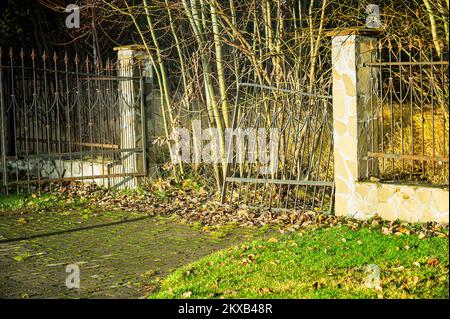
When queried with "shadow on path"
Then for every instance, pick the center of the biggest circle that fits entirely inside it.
(117, 258)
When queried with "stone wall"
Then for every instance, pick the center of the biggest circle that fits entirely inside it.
(412, 203)
(54, 169)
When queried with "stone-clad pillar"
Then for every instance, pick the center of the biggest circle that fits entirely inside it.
(351, 114)
(131, 130)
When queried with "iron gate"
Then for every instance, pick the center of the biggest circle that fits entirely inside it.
(302, 177)
(69, 119)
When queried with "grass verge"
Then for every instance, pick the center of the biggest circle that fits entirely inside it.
(17, 202)
(324, 263)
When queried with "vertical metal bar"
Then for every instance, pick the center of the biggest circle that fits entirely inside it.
(258, 125)
(143, 121)
(274, 123)
(47, 120)
(122, 71)
(286, 139)
(432, 94)
(422, 105)
(79, 96)
(248, 187)
(372, 119)
(89, 106)
(2, 127)
(411, 102)
(13, 114)
(305, 135)
(230, 153)
(295, 147)
(262, 101)
(101, 110)
(25, 113)
(444, 111)
(58, 119)
(391, 88)
(68, 108)
(110, 116)
(324, 118)
(380, 91)
(311, 142)
(36, 126)
(234, 126)
(330, 209)
(402, 131)
(330, 151)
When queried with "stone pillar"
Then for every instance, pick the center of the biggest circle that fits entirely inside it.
(351, 114)
(131, 121)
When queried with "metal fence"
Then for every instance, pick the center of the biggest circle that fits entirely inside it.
(303, 174)
(409, 125)
(61, 119)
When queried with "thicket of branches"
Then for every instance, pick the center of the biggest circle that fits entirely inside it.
(201, 49)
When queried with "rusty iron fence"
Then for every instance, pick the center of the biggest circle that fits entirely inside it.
(62, 120)
(408, 132)
(302, 175)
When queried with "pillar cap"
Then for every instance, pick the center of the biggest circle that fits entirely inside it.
(134, 47)
(353, 31)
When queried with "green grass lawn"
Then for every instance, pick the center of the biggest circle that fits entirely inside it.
(18, 202)
(324, 263)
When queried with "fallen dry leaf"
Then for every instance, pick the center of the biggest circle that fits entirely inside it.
(265, 290)
(433, 262)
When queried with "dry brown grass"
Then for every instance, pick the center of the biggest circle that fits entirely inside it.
(423, 133)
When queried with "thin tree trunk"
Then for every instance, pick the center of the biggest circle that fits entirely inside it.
(220, 68)
(434, 33)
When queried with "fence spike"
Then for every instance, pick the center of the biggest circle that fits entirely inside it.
(33, 54)
(66, 58)
(22, 54)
